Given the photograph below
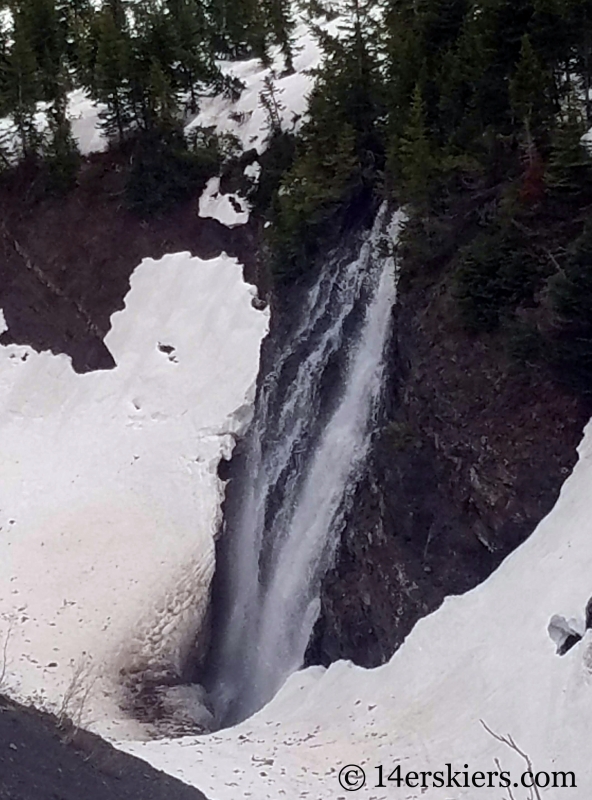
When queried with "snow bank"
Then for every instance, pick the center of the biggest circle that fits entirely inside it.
(109, 495)
(484, 656)
(246, 118)
(84, 115)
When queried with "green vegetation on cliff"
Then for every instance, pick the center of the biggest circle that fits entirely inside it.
(471, 113)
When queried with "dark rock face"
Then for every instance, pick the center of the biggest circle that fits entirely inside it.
(471, 455)
(65, 262)
(40, 761)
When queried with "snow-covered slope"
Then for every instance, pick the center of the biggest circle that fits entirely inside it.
(484, 656)
(109, 495)
(246, 118)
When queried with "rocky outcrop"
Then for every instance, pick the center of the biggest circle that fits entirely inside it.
(471, 454)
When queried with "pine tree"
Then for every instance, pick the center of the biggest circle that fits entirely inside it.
(151, 72)
(118, 10)
(281, 25)
(162, 103)
(46, 39)
(240, 29)
(269, 98)
(463, 81)
(349, 88)
(22, 88)
(404, 58)
(73, 18)
(569, 171)
(192, 47)
(415, 154)
(529, 101)
(61, 151)
(111, 75)
(582, 19)
(553, 34)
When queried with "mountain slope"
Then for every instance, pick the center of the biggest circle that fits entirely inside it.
(487, 655)
(38, 761)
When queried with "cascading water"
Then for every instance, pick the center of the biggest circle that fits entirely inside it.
(304, 450)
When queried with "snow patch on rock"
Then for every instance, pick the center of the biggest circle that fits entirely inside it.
(229, 209)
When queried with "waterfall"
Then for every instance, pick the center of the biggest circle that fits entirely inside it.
(305, 448)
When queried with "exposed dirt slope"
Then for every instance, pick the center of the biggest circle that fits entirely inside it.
(38, 761)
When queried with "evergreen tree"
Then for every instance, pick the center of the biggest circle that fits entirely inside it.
(192, 50)
(551, 32)
(270, 100)
(41, 26)
(569, 170)
(239, 29)
(416, 160)
(582, 24)
(118, 9)
(529, 101)
(150, 67)
(73, 18)
(162, 102)
(61, 152)
(110, 77)
(281, 25)
(349, 89)
(404, 61)
(22, 88)
(313, 189)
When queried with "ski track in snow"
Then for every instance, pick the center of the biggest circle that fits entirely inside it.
(109, 494)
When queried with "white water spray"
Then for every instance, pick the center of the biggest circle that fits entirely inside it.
(300, 474)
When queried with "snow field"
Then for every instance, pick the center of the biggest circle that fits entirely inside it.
(109, 494)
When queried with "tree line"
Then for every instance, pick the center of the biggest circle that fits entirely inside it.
(147, 61)
(471, 113)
